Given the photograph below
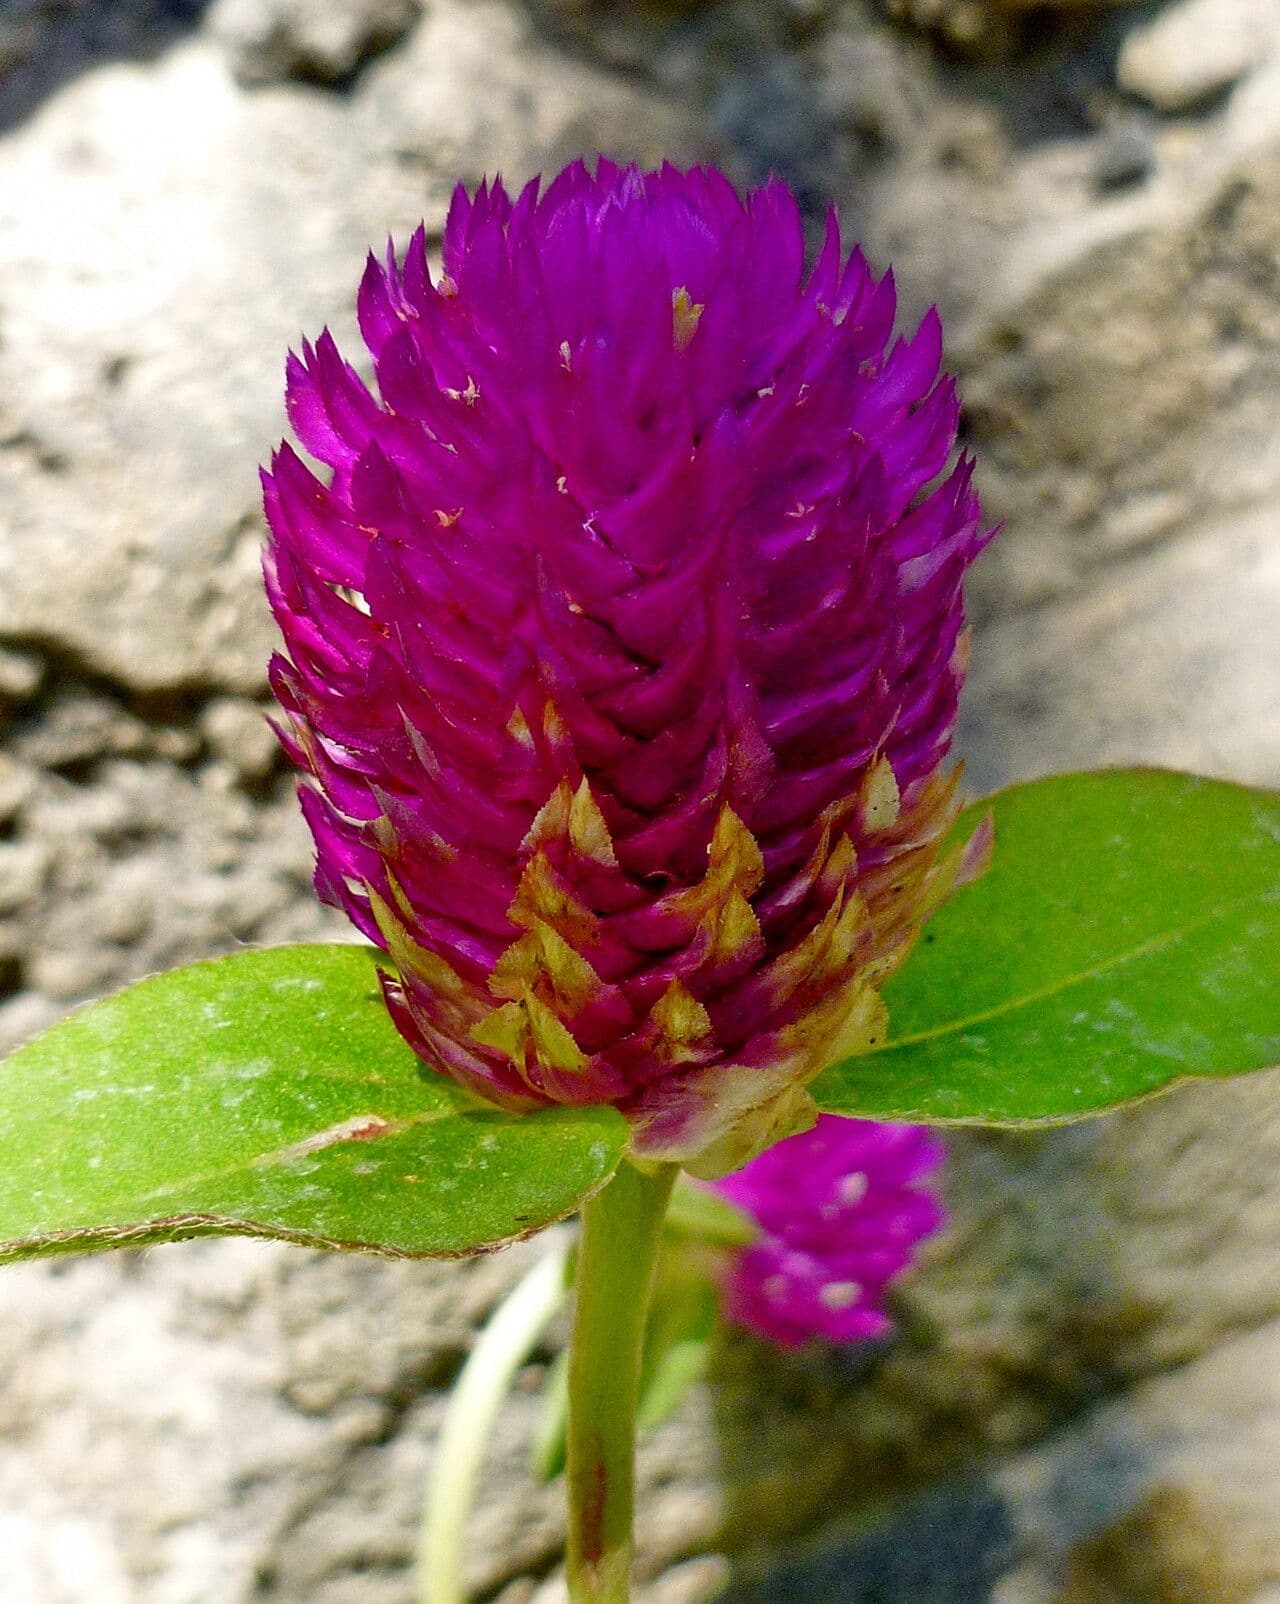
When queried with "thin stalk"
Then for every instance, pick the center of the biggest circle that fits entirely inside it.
(484, 1381)
(621, 1233)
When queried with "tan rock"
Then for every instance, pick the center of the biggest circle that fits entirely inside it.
(1194, 50)
(164, 236)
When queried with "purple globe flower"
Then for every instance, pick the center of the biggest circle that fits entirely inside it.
(841, 1212)
(624, 639)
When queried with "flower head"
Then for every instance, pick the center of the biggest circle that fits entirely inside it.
(841, 1212)
(624, 638)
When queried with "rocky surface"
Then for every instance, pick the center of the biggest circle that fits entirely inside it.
(290, 39)
(164, 235)
(1080, 1406)
(1196, 50)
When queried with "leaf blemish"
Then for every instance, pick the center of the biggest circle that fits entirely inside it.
(359, 1128)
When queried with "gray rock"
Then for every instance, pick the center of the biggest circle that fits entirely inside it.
(275, 40)
(982, 24)
(1119, 353)
(235, 1423)
(238, 733)
(1162, 1496)
(1127, 154)
(20, 675)
(1168, 1493)
(1196, 49)
(163, 237)
(151, 864)
(262, 1425)
(1155, 661)
(16, 786)
(24, 868)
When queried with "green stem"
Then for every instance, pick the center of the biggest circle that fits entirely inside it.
(621, 1232)
(484, 1381)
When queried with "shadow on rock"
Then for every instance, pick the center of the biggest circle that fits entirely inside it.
(44, 43)
(950, 1547)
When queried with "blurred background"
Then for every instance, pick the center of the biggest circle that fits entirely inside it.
(1082, 1401)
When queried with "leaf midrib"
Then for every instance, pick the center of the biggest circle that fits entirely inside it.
(1144, 949)
(281, 1156)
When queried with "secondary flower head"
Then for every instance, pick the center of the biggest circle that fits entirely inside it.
(841, 1212)
(624, 638)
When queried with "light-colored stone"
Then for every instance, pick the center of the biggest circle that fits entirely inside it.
(1191, 51)
(20, 674)
(281, 39)
(1159, 660)
(259, 1413)
(164, 236)
(228, 1423)
(238, 732)
(17, 783)
(1129, 388)
(24, 866)
(1168, 1494)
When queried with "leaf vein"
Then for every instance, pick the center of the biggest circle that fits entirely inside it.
(291, 1152)
(1144, 949)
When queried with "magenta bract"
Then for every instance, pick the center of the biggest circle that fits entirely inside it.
(624, 637)
(841, 1210)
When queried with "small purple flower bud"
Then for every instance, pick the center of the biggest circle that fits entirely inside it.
(841, 1211)
(624, 634)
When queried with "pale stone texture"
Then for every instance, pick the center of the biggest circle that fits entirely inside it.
(282, 39)
(1097, 1333)
(1194, 50)
(163, 236)
(223, 1424)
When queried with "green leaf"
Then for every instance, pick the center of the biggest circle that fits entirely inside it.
(268, 1094)
(1125, 937)
(678, 1338)
(551, 1439)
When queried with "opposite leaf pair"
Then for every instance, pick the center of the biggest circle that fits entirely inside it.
(1124, 938)
(625, 636)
